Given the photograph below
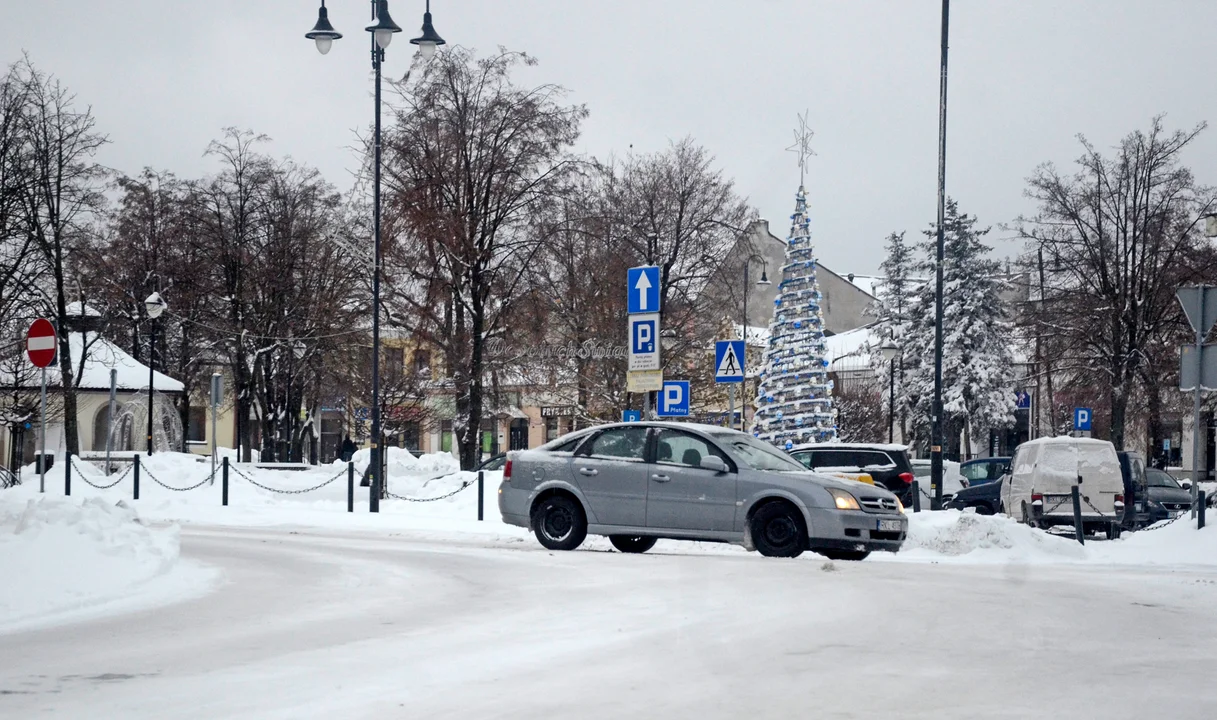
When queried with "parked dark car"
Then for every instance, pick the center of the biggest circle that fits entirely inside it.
(888, 465)
(1165, 498)
(984, 470)
(985, 497)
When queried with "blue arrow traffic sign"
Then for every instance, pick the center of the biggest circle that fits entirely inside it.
(674, 399)
(729, 361)
(642, 284)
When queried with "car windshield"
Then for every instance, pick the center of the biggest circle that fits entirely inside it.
(759, 455)
(1158, 478)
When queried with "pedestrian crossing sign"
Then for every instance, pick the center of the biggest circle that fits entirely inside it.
(729, 361)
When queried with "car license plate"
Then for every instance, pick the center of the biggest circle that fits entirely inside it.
(888, 526)
(1175, 514)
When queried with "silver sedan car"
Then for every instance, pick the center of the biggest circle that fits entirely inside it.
(637, 482)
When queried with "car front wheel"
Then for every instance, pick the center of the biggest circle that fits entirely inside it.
(632, 543)
(778, 530)
(559, 523)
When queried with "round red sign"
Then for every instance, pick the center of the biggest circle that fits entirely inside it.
(41, 343)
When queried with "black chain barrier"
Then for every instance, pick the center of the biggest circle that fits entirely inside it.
(1159, 525)
(143, 469)
(88, 482)
(467, 483)
(238, 471)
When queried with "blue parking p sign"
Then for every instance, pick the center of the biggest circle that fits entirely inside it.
(674, 399)
(1081, 418)
(631, 416)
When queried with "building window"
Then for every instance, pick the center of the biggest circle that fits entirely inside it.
(411, 436)
(551, 429)
(445, 436)
(197, 432)
(422, 363)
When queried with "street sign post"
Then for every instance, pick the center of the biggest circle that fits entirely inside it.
(674, 399)
(642, 283)
(1200, 306)
(1023, 402)
(729, 368)
(644, 342)
(40, 345)
(1082, 418)
(642, 304)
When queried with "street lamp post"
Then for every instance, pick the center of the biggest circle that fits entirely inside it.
(936, 432)
(154, 305)
(889, 351)
(382, 30)
(743, 412)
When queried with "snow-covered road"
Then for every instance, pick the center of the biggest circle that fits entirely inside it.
(317, 623)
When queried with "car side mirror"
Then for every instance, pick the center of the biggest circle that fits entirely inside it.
(1185, 485)
(715, 463)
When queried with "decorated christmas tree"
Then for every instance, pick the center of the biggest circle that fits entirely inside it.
(794, 400)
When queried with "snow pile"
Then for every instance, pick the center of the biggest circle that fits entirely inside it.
(61, 554)
(402, 463)
(952, 533)
(1178, 543)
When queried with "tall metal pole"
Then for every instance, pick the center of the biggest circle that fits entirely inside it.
(151, 375)
(110, 415)
(375, 484)
(743, 398)
(891, 401)
(42, 439)
(1197, 438)
(936, 438)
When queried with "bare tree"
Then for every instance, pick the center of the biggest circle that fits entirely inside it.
(470, 157)
(1114, 236)
(61, 199)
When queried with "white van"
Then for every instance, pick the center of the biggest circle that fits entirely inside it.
(1039, 488)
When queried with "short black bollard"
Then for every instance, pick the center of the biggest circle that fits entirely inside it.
(1077, 515)
(224, 481)
(135, 474)
(916, 497)
(67, 474)
(1202, 500)
(481, 496)
(350, 486)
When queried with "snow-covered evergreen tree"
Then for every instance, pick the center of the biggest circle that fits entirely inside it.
(794, 400)
(895, 298)
(977, 368)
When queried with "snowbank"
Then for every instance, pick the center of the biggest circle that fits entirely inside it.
(442, 500)
(983, 538)
(62, 555)
(1178, 543)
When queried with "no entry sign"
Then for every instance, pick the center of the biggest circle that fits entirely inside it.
(40, 343)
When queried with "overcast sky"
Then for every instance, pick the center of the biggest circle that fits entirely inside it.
(1026, 76)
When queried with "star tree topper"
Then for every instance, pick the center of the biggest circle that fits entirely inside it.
(802, 144)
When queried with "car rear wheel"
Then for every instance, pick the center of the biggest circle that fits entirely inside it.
(983, 510)
(778, 530)
(835, 554)
(632, 543)
(559, 523)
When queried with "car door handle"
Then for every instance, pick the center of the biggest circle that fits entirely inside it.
(661, 478)
(589, 471)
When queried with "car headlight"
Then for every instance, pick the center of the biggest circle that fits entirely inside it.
(844, 500)
(900, 505)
